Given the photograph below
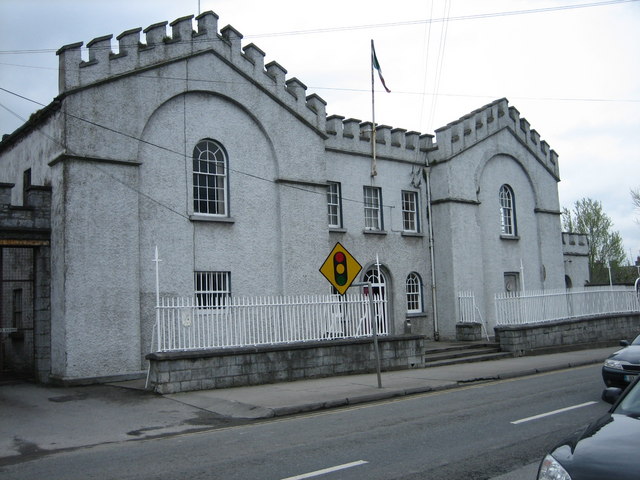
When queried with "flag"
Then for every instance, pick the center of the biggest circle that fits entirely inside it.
(376, 65)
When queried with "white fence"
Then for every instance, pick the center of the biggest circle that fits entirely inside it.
(467, 307)
(182, 324)
(549, 305)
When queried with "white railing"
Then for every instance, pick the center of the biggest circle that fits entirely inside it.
(466, 307)
(182, 324)
(549, 305)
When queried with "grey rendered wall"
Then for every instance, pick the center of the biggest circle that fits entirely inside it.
(482, 151)
(95, 265)
(399, 253)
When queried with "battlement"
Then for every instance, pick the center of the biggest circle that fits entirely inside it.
(35, 213)
(575, 243)
(485, 121)
(159, 47)
(354, 135)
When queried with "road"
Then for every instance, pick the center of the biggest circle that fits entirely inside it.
(477, 432)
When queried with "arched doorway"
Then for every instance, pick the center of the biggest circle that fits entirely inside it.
(379, 285)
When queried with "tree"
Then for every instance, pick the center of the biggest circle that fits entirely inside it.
(605, 245)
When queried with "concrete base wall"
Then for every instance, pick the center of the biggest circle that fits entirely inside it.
(601, 329)
(468, 331)
(172, 372)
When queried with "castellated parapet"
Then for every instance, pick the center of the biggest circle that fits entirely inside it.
(354, 136)
(481, 123)
(159, 47)
(575, 243)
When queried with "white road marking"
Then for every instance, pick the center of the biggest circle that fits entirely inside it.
(548, 414)
(317, 473)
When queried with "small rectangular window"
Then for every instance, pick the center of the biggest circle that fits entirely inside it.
(512, 282)
(212, 289)
(16, 313)
(410, 212)
(334, 205)
(373, 208)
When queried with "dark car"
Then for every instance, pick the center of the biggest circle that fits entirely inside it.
(606, 449)
(622, 367)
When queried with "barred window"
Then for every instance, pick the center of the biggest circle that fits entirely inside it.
(334, 204)
(413, 288)
(212, 289)
(210, 180)
(372, 208)
(507, 211)
(410, 211)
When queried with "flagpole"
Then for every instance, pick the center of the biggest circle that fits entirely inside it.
(373, 119)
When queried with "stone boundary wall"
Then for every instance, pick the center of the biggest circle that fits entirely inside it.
(596, 330)
(468, 331)
(172, 372)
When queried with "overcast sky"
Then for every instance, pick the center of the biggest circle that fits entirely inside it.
(571, 67)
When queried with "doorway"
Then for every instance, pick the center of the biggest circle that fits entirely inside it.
(17, 296)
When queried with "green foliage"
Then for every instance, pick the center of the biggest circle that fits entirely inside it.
(605, 244)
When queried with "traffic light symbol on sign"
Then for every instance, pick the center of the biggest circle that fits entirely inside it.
(340, 268)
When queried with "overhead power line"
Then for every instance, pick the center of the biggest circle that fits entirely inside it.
(444, 19)
(478, 16)
(160, 147)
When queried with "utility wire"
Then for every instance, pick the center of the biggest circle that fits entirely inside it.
(444, 19)
(363, 90)
(166, 149)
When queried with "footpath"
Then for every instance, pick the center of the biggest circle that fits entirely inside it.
(37, 419)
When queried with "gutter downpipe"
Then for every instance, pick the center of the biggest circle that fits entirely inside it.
(426, 171)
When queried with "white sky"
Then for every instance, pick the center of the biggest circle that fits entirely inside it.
(574, 73)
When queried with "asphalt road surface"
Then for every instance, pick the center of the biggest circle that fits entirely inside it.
(477, 432)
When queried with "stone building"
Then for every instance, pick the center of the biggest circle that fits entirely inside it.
(186, 140)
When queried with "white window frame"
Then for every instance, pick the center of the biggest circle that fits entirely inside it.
(210, 179)
(212, 288)
(410, 218)
(334, 204)
(373, 208)
(507, 211)
(413, 290)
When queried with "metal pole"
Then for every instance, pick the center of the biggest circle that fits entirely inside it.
(157, 262)
(374, 328)
(427, 175)
(374, 171)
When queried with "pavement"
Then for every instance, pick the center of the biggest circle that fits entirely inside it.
(40, 419)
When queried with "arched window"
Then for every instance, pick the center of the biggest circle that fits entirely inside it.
(413, 288)
(507, 211)
(210, 181)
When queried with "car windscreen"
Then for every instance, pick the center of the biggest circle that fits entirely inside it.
(630, 404)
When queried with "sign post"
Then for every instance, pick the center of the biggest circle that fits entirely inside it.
(374, 328)
(341, 269)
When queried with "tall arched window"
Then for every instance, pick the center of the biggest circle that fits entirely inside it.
(413, 288)
(210, 181)
(507, 211)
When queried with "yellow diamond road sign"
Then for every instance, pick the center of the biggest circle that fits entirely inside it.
(340, 268)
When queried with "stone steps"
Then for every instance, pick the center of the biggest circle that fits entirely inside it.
(453, 354)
